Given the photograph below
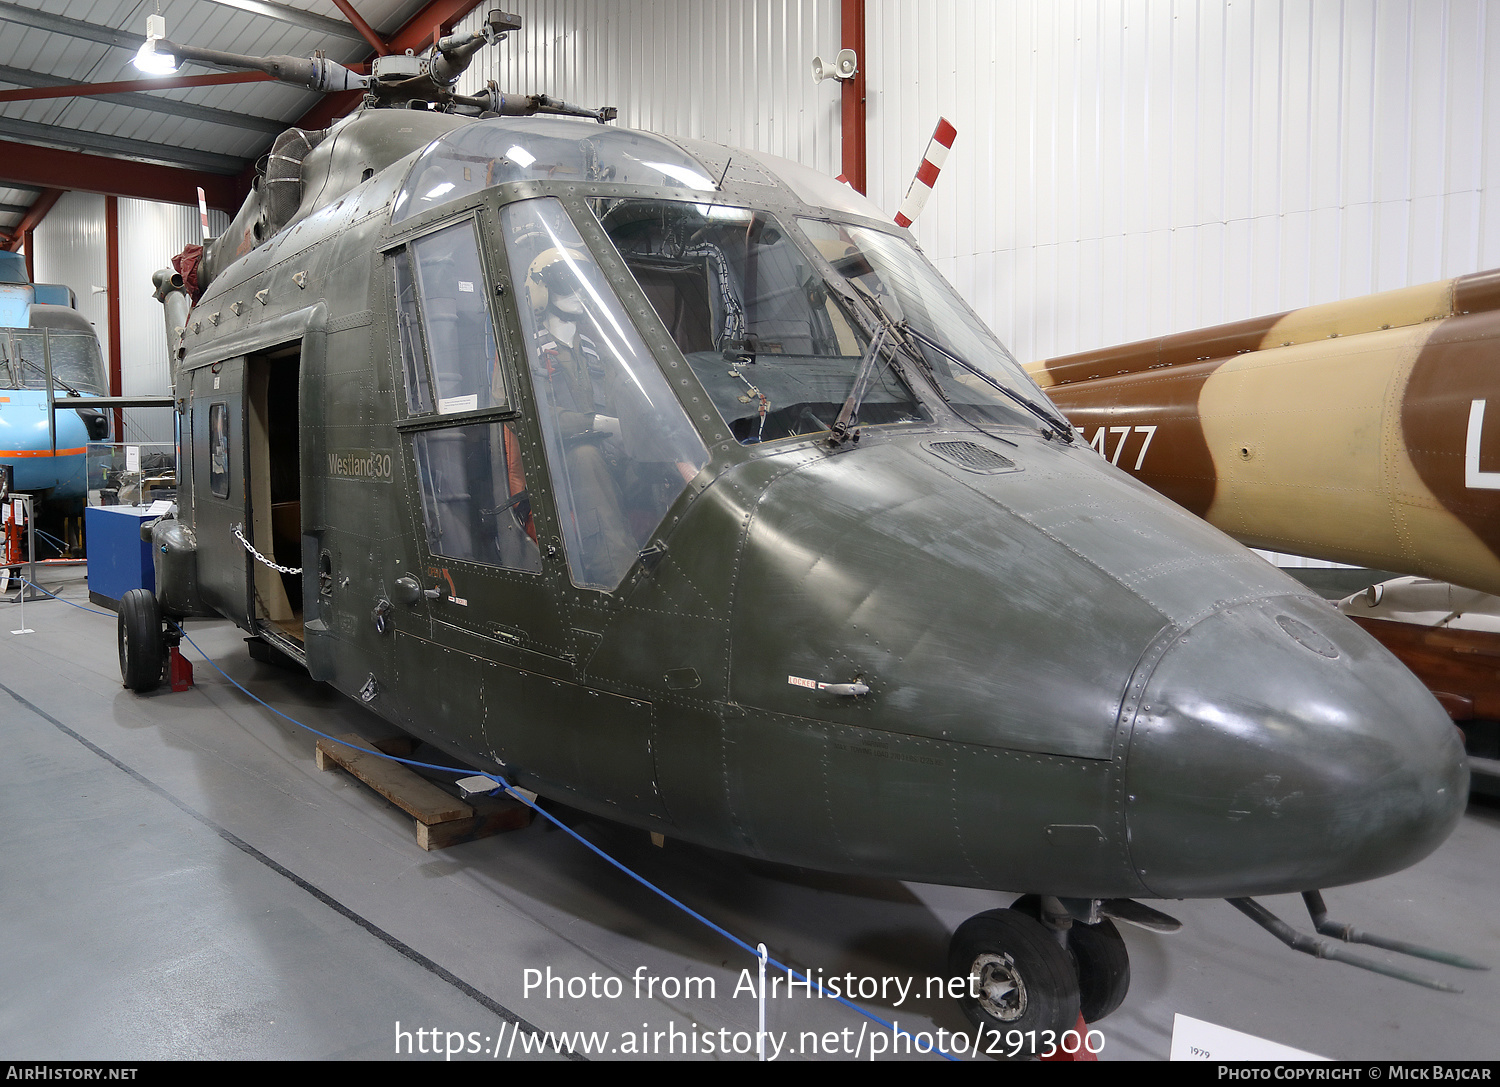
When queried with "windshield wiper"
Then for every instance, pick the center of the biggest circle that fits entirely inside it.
(55, 379)
(897, 331)
(1056, 425)
(844, 429)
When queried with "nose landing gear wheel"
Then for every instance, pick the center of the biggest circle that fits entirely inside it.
(143, 648)
(1020, 983)
(1099, 956)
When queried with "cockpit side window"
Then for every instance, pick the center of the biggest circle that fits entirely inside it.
(620, 447)
(475, 501)
(409, 335)
(460, 337)
(476, 505)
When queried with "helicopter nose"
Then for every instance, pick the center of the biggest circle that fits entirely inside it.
(1276, 746)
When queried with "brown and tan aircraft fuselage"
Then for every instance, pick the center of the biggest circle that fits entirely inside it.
(1356, 431)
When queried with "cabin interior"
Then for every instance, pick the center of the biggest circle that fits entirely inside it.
(272, 431)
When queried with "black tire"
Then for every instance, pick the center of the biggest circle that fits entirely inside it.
(1100, 958)
(1027, 981)
(143, 650)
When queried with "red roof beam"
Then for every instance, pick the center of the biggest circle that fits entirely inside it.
(363, 27)
(34, 215)
(415, 35)
(51, 168)
(125, 86)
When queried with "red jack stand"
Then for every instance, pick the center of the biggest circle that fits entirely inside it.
(1082, 1053)
(179, 669)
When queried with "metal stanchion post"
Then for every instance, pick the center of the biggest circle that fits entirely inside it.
(25, 499)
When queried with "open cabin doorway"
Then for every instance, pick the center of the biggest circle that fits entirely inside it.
(275, 492)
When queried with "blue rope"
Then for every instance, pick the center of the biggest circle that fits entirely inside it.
(509, 790)
(53, 540)
(731, 937)
(54, 596)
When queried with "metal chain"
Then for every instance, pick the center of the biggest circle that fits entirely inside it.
(251, 548)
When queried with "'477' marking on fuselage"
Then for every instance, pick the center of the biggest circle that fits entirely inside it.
(1101, 440)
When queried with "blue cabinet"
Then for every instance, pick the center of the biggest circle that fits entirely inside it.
(119, 560)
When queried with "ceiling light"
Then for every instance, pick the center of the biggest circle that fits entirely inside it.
(149, 58)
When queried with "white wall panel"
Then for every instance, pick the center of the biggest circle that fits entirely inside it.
(1357, 248)
(70, 248)
(1187, 162)
(151, 234)
(734, 73)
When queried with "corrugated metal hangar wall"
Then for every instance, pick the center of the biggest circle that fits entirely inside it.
(70, 248)
(1122, 169)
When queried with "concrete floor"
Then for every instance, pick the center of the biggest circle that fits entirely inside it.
(180, 881)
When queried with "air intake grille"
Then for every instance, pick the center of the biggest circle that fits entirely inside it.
(976, 458)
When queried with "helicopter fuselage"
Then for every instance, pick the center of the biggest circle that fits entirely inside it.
(47, 449)
(959, 649)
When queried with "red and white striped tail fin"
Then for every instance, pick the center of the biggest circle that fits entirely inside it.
(927, 173)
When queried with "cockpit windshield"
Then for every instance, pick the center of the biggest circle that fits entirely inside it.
(778, 352)
(76, 362)
(974, 371)
(620, 446)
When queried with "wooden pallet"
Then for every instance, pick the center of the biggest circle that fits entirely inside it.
(442, 819)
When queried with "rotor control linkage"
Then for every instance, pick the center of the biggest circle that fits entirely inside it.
(1321, 949)
(1349, 934)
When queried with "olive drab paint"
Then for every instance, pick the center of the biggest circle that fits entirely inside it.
(1001, 669)
(672, 482)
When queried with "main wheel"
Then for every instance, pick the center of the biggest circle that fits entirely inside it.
(143, 650)
(1100, 957)
(1024, 980)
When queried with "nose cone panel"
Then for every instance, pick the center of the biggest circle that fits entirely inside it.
(1276, 749)
(24, 434)
(969, 622)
